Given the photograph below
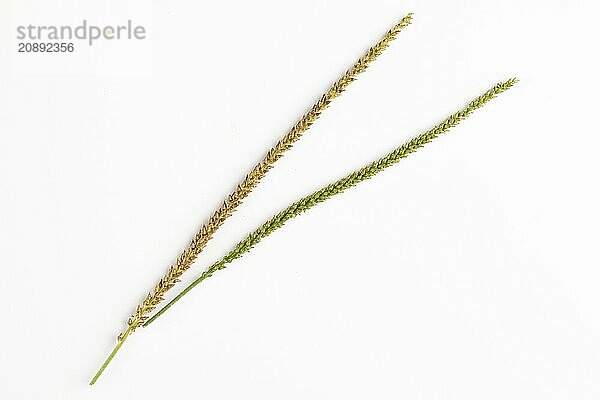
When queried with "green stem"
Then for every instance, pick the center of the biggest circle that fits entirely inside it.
(111, 355)
(202, 277)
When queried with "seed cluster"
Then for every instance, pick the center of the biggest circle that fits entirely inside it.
(340, 186)
(205, 234)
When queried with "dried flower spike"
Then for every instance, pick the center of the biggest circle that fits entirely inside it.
(187, 258)
(338, 187)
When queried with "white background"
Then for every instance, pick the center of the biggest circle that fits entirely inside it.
(468, 271)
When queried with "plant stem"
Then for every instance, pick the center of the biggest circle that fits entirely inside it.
(176, 299)
(341, 185)
(111, 355)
